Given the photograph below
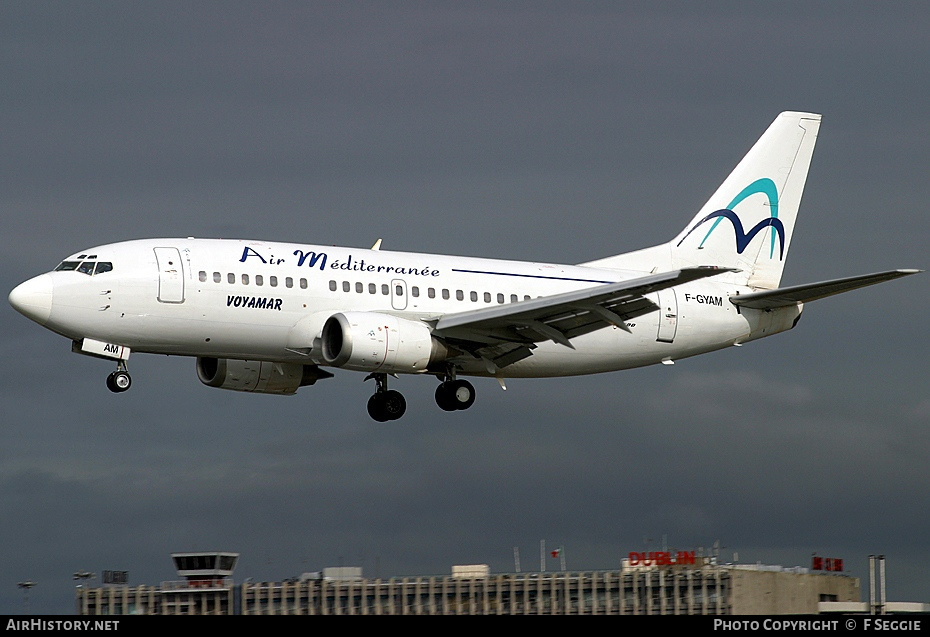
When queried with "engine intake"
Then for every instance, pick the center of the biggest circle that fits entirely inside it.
(371, 341)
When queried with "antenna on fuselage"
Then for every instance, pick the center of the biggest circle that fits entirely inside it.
(377, 245)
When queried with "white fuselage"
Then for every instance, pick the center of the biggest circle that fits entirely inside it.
(254, 300)
(266, 317)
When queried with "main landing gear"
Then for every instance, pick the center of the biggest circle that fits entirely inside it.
(388, 404)
(452, 395)
(119, 381)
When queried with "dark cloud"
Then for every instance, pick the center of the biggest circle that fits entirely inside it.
(539, 131)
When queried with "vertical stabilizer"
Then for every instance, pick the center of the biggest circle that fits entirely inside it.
(749, 222)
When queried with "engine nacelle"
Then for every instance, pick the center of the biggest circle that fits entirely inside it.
(257, 376)
(371, 341)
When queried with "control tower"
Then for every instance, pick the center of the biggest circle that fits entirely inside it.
(206, 587)
(205, 570)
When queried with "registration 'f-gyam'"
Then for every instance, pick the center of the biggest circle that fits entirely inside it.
(273, 317)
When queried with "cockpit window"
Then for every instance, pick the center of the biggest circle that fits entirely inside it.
(89, 268)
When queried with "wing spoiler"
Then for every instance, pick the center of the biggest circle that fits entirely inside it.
(560, 317)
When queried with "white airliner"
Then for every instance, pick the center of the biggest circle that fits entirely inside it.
(271, 317)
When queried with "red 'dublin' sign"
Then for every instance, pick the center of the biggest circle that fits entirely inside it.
(661, 558)
(834, 564)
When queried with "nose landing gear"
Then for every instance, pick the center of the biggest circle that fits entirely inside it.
(119, 381)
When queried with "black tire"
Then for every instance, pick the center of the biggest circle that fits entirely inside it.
(463, 394)
(119, 381)
(376, 408)
(455, 395)
(444, 398)
(395, 405)
(388, 405)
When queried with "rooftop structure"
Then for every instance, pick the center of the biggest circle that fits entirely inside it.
(689, 587)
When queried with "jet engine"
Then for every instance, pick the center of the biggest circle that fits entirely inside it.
(371, 341)
(257, 376)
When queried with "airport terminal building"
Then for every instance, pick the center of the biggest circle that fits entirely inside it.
(697, 586)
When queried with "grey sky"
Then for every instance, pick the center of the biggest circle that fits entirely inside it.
(544, 131)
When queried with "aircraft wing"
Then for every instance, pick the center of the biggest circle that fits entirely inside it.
(505, 334)
(783, 297)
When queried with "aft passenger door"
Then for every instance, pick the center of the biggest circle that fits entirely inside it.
(170, 275)
(668, 315)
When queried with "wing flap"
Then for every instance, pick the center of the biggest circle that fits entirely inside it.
(783, 297)
(561, 317)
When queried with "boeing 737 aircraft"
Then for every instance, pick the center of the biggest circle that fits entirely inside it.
(273, 317)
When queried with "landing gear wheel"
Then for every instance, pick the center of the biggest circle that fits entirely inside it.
(464, 394)
(455, 395)
(119, 381)
(444, 398)
(395, 405)
(387, 405)
(376, 408)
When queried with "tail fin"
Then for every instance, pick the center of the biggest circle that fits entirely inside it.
(748, 223)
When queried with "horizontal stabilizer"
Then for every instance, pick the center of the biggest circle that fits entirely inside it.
(783, 297)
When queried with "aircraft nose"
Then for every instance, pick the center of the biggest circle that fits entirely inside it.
(33, 298)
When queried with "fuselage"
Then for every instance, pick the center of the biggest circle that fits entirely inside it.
(264, 301)
(268, 317)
